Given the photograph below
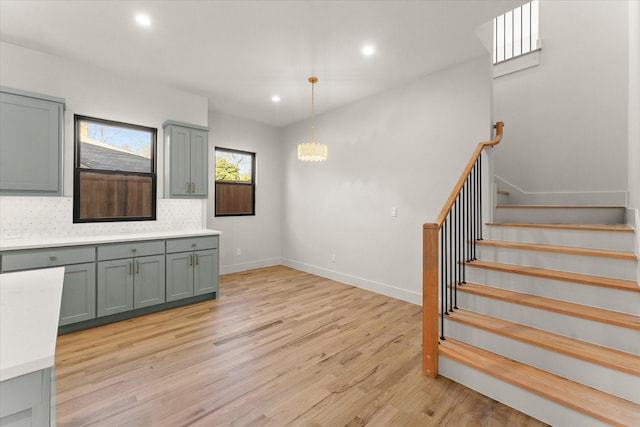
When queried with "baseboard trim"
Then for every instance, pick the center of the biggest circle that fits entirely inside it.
(244, 266)
(359, 282)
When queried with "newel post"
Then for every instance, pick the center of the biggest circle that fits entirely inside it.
(430, 256)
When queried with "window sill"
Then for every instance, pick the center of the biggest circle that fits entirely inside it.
(522, 62)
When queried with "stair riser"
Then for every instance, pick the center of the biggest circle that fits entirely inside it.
(595, 296)
(608, 240)
(593, 265)
(608, 335)
(532, 404)
(562, 216)
(612, 381)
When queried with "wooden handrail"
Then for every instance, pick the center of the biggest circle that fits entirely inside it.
(430, 265)
(463, 176)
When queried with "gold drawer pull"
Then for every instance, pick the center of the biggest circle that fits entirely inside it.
(53, 258)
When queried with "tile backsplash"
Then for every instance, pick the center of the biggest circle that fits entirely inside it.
(51, 217)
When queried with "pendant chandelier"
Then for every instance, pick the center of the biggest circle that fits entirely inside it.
(312, 151)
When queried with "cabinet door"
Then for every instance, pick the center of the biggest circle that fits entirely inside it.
(78, 294)
(148, 286)
(205, 272)
(115, 286)
(30, 145)
(180, 161)
(199, 163)
(179, 275)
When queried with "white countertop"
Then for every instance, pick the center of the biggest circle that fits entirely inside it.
(17, 244)
(29, 313)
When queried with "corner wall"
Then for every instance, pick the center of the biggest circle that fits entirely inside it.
(258, 237)
(404, 149)
(566, 119)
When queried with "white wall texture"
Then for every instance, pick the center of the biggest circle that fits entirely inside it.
(566, 119)
(634, 105)
(93, 92)
(258, 237)
(404, 148)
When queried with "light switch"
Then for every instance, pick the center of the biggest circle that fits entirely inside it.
(394, 212)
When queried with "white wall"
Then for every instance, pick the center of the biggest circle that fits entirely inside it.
(93, 92)
(566, 119)
(634, 105)
(404, 148)
(258, 237)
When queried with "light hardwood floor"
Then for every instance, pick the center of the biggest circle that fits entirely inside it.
(280, 347)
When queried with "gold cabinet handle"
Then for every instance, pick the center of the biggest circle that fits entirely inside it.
(53, 258)
(188, 187)
(190, 260)
(130, 268)
(134, 250)
(193, 187)
(137, 267)
(197, 259)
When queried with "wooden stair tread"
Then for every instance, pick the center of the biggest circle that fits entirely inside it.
(560, 249)
(558, 207)
(605, 356)
(591, 227)
(577, 310)
(595, 403)
(505, 192)
(567, 276)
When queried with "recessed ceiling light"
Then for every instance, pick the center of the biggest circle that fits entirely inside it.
(143, 20)
(275, 98)
(368, 50)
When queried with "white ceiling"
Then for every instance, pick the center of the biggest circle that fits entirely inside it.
(239, 53)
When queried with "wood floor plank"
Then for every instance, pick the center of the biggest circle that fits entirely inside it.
(279, 347)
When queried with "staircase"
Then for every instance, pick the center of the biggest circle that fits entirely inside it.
(548, 321)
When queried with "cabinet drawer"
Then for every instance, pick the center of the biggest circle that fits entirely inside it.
(129, 250)
(192, 244)
(41, 258)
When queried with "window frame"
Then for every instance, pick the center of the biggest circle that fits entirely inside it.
(252, 212)
(78, 170)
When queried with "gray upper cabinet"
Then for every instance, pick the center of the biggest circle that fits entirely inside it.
(31, 143)
(185, 160)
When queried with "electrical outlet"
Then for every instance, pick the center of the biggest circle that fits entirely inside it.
(238, 252)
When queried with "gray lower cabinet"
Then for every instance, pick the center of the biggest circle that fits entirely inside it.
(30, 143)
(78, 294)
(28, 400)
(79, 288)
(192, 272)
(127, 284)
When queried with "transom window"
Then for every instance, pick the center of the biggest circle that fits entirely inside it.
(516, 32)
(234, 182)
(114, 171)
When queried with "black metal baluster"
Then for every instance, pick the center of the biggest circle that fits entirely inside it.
(443, 288)
(480, 196)
(451, 272)
(445, 294)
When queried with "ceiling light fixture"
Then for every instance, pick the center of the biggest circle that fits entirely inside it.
(368, 50)
(275, 98)
(143, 20)
(312, 151)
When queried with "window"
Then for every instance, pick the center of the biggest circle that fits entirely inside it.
(114, 171)
(235, 182)
(516, 32)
